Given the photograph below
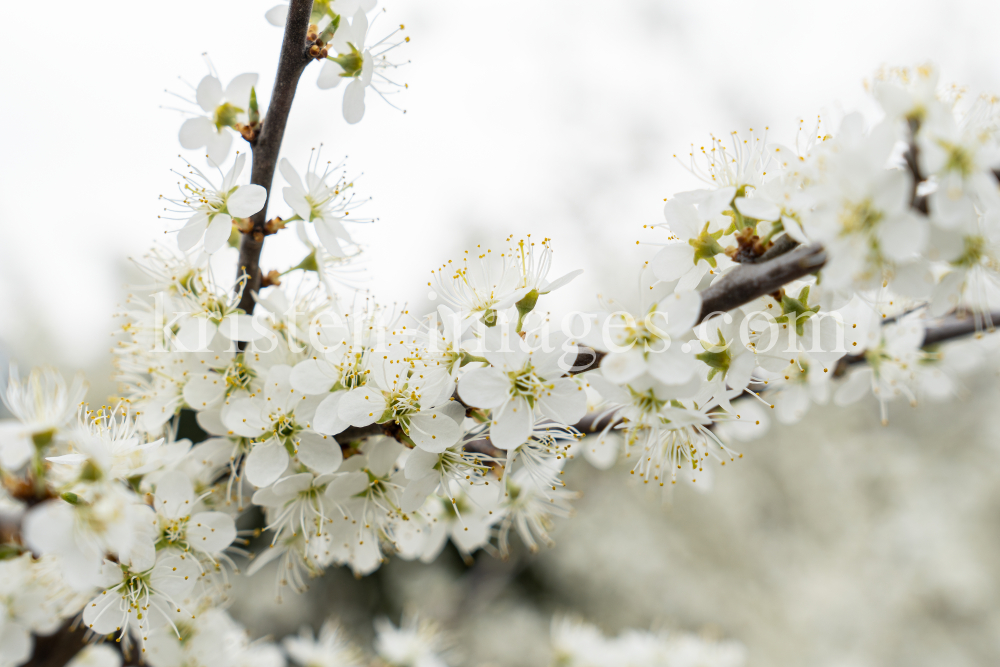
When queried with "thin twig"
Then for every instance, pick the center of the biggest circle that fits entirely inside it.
(293, 60)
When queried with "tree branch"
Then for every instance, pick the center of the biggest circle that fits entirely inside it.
(293, 60)
(747, 282)
(59, 648)
(945, 329)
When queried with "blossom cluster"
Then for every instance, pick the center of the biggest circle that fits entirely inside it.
(363, 431)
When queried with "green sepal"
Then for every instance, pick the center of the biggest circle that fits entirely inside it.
(718, 362)
(8, 551)
(225, 115)
(800, 307)
(71, 498)
(349, 62)
(42, 439)
(525, 306)
(329, 30)
(706, 246)
(471, 358)
(254, 111)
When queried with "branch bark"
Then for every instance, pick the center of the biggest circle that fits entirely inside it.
(747, 282)
(59, 648)
(293, 60)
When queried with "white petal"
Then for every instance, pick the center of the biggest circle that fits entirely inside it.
(330, 232)
(266, 462)
(211, 532)
(219, 143)
(327, 419)
(682, 218)
(416, 493)
(673, 367)
(484, 387)
(794, 230)
(673, 261)
(174, 495)
(329, 75)
(565, 402)
(247, 200)
(354, 102)
(420, 463)
(740, 370)
(346, 485)
(902, 236)
(319, 453)
(511, 429)
(209, 93)
(242, 327)
(757, 208)
(243, 417)
(601, 449)
(175, 575)
(277, 15)
(192, 232)
(362, 406)
(433, 431)
(218, 233)
(622, 367)
(559, 282)
(204, 391)
(103, 614)
(854, 389)
(238, 90)
(313, 376)
(196, 132)
(680, 312)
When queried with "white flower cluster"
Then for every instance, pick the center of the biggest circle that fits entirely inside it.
(579, 644)
(363, 431)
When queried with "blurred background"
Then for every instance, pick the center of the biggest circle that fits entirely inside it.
(836, 542)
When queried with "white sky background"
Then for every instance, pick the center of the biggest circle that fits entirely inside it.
(554, 118)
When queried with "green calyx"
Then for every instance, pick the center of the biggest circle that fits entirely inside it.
(308, 263)
(706, 246)
(717, 358)
(470, 358)
(490, 318)
(351, 62)
(972, 252)
(646, 400)
(525, 306)
(225, 115)
(740, 221)
(796, 310)
(8, 551)
(859, 217)
(959, 159)
(43, 438)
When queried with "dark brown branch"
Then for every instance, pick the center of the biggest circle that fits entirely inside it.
(945, 329)
(747, 282)
(293, 60)
(912, 157)
(59, 648)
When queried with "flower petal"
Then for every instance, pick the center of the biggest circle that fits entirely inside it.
(266, 462)
(211, 532)
(209, 93)
(218, 232)
(511, 428)
(319, 453)
(247, 200)
(354, 102)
